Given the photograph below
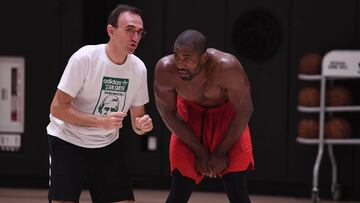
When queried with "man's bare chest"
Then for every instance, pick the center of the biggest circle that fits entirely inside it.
(207, 94)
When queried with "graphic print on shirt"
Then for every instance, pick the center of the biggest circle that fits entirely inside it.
(112, 96)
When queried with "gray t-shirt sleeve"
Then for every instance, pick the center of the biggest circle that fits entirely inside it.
(73, 77)
(142, 96)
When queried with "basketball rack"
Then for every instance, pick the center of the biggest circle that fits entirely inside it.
(336, 65)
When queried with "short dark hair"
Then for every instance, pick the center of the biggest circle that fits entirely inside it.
(192, 38)
(114, 15)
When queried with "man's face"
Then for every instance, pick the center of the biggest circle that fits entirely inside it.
(129, 32)
(187, 62)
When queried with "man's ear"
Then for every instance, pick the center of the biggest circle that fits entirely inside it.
(204, 57)
(110, 30)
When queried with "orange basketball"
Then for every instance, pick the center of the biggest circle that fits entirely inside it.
(337, 128)
(308, 128)
(310, 63)
(309, 96)
(338, 96)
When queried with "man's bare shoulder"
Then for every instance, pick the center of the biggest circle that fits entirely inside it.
(164, 70)
(224, 62)
(166, 63)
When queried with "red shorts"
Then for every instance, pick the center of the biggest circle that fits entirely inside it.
(210, 125)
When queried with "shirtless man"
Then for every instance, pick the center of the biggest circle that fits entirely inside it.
(203, 96)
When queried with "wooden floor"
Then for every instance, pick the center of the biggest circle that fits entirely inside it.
(8, 195)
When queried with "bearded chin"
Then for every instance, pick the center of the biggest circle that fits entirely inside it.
(188, 78)
(193, 74)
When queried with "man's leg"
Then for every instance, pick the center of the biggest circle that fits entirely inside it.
(236, 187)
(66, 171)
(181, 188)
(108, 178)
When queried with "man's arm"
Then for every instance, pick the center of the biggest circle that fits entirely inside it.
(235, 81)
(166, 100)
(141, 122)
(239, 93)
(61, 108)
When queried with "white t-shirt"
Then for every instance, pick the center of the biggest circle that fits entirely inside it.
(99, 86)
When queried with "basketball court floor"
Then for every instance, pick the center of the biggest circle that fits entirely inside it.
(9, 195)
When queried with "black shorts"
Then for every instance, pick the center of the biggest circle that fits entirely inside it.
(102, 170)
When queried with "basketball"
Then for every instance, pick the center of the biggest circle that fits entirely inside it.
(308, 128)
(309, 96)
(310, 63)
(337, 128)
(338, 96)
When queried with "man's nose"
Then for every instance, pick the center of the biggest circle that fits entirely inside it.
(136, 36)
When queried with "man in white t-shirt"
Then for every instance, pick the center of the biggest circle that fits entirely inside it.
(98, 87)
